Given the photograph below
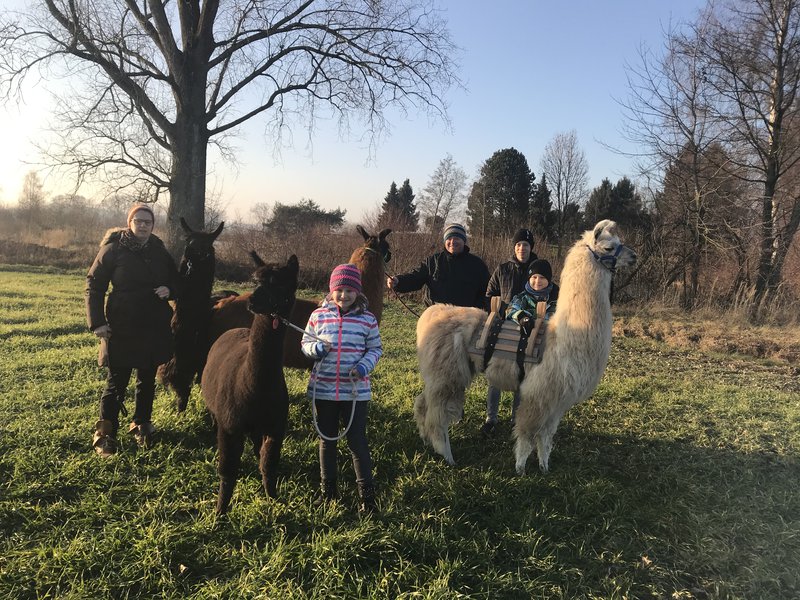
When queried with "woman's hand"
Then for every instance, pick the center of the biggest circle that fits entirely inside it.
(162, 292)
(391, 282)
(104, 331)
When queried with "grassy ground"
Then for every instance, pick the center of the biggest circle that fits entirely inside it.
(677, 479)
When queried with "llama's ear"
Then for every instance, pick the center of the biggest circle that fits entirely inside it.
(218, 230)
(185, 226)
(363, 232)
(600, 227)
(382, 235)
(293, 263)
(257, 259)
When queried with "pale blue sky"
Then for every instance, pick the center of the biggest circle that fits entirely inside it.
(532, 69)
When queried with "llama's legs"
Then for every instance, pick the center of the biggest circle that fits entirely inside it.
(522, 450)
(268, 464)
(230, 457)
(544, 441)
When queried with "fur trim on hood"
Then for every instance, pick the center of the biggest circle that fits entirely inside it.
(113, 235)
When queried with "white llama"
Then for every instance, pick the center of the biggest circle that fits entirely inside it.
(578, 342)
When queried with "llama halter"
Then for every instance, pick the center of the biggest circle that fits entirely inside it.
(607, 258)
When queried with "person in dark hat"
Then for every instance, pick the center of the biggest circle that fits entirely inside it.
(454, 276)
(539, 288)
(134, 323)
(507, 281)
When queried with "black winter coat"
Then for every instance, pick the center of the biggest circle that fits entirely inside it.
(459, 279)
(139, 319)
(508, 280)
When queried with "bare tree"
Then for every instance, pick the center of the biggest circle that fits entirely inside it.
(31, 199)
(155, 82)
(443, 196)
(670, 116)
(752, 56)
(564, 164)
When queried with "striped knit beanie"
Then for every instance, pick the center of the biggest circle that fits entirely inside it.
(455, 230)
(140, 207)
(346, 275)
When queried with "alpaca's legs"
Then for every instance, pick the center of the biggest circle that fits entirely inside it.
(230, 457)
(268, 464)
(522, 450)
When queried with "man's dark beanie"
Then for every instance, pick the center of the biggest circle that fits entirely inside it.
(523, 235)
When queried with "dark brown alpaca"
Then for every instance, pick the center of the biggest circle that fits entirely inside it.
(369, 258)
(192, 313)
(243, 383)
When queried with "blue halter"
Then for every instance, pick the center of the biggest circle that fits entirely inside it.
(607, 258)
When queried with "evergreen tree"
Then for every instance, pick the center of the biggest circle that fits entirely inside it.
(408, 209)
(598, 206)
(506, 184)
(304, 216)
(542, 216)
(620, 202)
(398, 210)
(480, 210)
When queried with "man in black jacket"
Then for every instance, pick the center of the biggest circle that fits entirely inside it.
(454, 276)
(507, 281)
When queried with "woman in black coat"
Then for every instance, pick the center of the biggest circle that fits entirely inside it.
(134, 323)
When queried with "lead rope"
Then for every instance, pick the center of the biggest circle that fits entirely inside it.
(353, 393)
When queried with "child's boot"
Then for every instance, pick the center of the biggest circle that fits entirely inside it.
(143, 433)
(103, 440)
(327, 492)
(366, 492)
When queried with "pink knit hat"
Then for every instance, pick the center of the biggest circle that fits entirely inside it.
(138, 207)
(346, 275)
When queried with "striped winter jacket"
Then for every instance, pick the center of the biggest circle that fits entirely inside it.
(355, 340)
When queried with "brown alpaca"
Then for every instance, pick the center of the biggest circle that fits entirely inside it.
(232, 311)
(192, 313)
(243, 383)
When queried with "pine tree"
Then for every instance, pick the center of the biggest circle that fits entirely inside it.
(408, 209)
(542, 217)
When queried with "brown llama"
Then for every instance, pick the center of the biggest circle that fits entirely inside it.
(369, 258)
(192, 313)
(243, 383)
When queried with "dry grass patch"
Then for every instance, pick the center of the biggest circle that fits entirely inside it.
(724, 333)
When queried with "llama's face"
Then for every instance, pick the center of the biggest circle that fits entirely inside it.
(608, 249)
(377, 243)
(276, 289)
(199, 244)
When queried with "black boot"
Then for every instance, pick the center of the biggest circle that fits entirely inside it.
(327, 492)
(366, 492)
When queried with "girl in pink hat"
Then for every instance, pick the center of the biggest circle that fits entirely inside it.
(343, 337)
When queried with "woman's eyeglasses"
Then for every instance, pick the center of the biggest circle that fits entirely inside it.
(142, 221)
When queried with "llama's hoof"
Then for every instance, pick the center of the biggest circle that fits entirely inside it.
(181, 404)
(544, 468)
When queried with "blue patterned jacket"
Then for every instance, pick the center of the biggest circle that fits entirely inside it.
(355, 341)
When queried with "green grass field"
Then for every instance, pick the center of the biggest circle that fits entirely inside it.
(677, 479)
